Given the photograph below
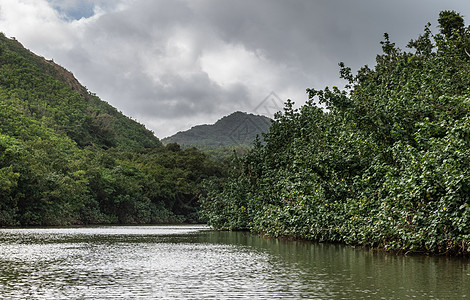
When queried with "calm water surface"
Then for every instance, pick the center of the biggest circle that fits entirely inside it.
(192, 262)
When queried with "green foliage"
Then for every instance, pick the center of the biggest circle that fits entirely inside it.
(385, 165)
(66, 157)
(450, 22)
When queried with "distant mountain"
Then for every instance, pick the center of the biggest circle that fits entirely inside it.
(237, 129)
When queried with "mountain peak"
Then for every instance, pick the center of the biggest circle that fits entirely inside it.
(236, 129)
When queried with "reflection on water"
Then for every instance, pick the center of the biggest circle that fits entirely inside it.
(192, 262)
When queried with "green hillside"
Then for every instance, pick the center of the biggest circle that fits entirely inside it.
(67, 157)
(236, 129)
(45, 92)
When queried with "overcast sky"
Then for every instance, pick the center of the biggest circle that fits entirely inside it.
(173, 64)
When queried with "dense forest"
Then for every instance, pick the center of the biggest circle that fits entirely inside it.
(384, 162)
(67, 157)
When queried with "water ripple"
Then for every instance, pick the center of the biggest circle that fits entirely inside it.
(188, 262)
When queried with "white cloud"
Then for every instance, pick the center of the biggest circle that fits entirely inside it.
(20, 17)
(233, 64)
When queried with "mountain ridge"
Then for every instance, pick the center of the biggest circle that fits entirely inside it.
(237, 129)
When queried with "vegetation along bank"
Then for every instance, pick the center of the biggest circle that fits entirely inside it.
(386, 164)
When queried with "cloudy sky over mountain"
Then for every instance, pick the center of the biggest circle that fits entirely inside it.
(173, 64)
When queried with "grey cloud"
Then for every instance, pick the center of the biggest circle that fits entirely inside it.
(179, 97)
(128, 55)
(125, 42)
(308, 37)
(318, 34)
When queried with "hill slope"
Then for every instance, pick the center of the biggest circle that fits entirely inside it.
(236, 129)
(46, 92)
(67, 157)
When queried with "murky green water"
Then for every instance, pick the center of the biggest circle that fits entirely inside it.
(191, 262)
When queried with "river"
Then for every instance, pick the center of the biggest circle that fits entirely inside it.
(193, 262)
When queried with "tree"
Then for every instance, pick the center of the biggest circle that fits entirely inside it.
(451, 23)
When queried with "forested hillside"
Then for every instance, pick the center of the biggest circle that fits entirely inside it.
(45, 92)
(67, 157)
(386, 165)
